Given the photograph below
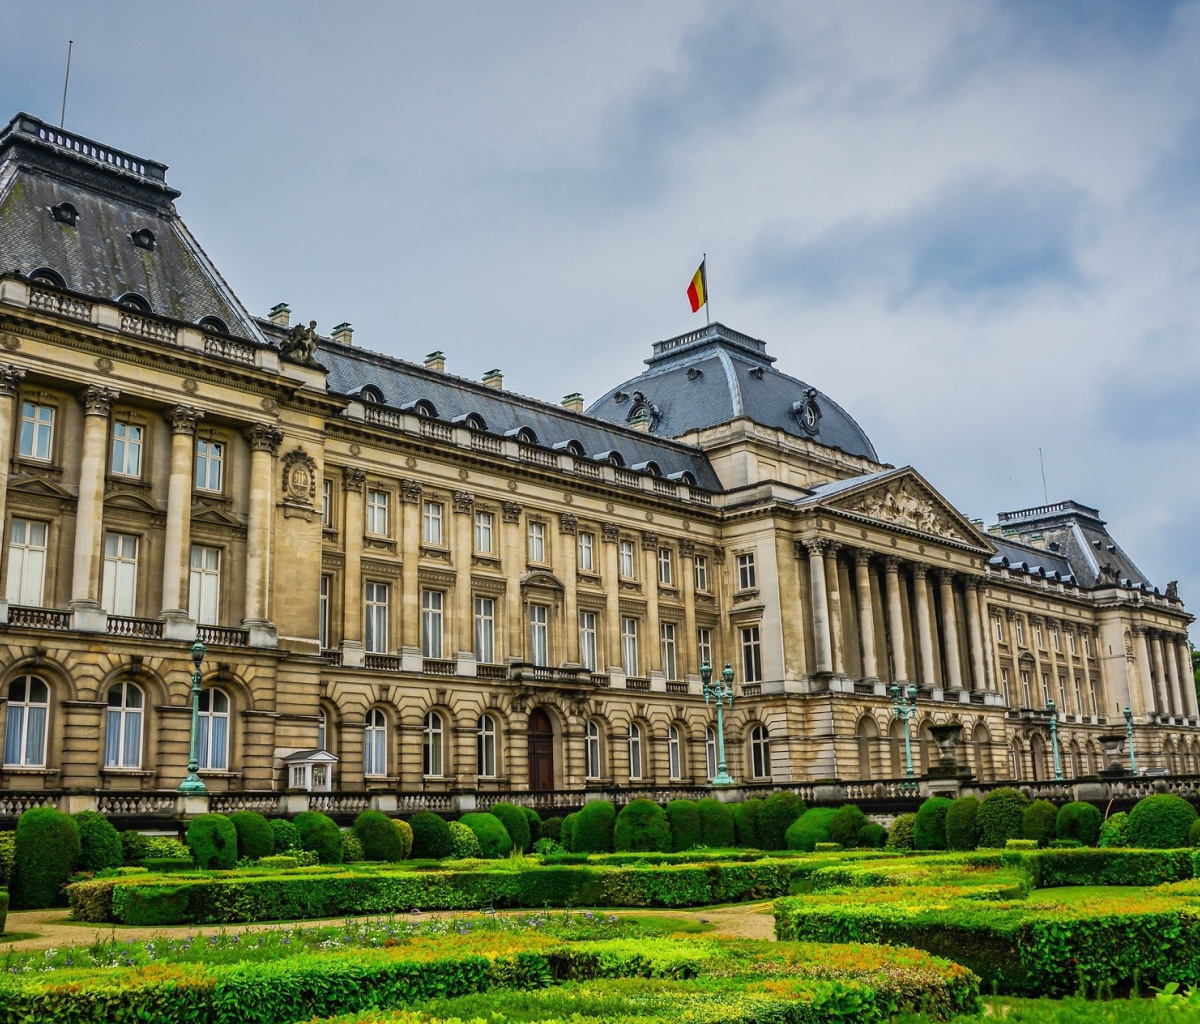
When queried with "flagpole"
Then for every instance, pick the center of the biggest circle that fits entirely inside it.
(707, 307)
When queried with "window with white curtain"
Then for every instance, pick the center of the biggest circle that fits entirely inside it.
(710, 753)
(586, 544)
(537, 542)
(629, 645)
(666, 567)
(628, 567)
(212, 731)
(375, 637)
(670, 660)
(26, 716)
(322, 730)
(377, 513)
(591, 749)
(126, 449)
(432, 602)
(119, 573)
(485, 752)
(539, 634)
(700, 563)
(704, 648)
(210, 465)
(635, 750)
(760, 753)
(375, 744)
(587, 640)
(204, 585)
(485, 630)
(483, 532)
(674, 753)
(431, 522)
(433, 752)
(123, 726)
(37, 432)
(26, 562)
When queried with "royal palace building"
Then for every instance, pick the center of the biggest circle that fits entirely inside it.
(413, 584)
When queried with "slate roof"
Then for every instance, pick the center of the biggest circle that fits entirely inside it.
(715, 374)
(1031, 559)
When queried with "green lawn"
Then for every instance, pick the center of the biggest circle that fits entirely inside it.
(1082, 893)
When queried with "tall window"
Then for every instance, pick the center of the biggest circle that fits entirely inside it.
(323, 611)
(1094, 700)
(322, 730)
(204, 585)
(119, 589)
(484, 522)
(700, 565)
(747, 574)
(710, 753)
(670, 662)
(485, 747)
(537, 542)
(25, 721)
(635, 751)
(26, 562)
(123, 726)
(539, 634)
(1071, 641)
(587, 640)
(375, 639)
(1004, 687)
(760, 753)
(625, 553)
(37, 431)
(210, 465)
(751, 655)
(1087, 645)
(586, 543)
(431, 522)
(1079, 695)
(126, 449)
(1019, 629)
(1062, 693)
(1026, 691)
(998, 626)
(432, 602)
(674, 754)
(213, 730)
(666, 567)
(375, 744)
(1045, 688)
(704, 648)
(327, 503)
(1055, 641)
(1039, 636)
(377, 513)
(433, 762)
(629, 645)
(591, 748)
(485, 630)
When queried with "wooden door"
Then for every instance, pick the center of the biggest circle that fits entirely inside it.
(541, 752)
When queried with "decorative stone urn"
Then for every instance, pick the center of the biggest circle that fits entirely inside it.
(1113, 745)
(946, 737)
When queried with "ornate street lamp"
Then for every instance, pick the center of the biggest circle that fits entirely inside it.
(905, 707)
(1058, 775)
(722, 693)
(1129, 738)
(193, 783)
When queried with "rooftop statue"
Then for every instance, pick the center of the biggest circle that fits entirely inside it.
(300, 345)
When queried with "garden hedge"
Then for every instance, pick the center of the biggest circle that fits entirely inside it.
(684, 817)
(516, 824)
(716, 824)
(1114, 831)
(99, 842)
(287, 836)
(255, 839)
(406, 837)
(1193, 839)
(962, 831)
(134, 847)
(45, 852)
(466, 843)
(642, 826)
(900, 835)
(320, 834)
(552, 829)
(431, 836)
(8, 849)
(1079, 821)
(777, 814)
(745, 823)
(1038, 822)
(929, 829)
(872, 836)
(352, 849)
(810, 828)
(566, 832)
(1160, 822)
(845, 825)
(1000, 817)
(213, 841)
(494, 840)
(535, 825)
(379, 837)
(3, 908)
(592, 828)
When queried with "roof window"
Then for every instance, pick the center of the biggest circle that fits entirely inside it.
(49, 278)
(143, 238)
(471, 420)
(214, 325)
(571, 447)
(525, 435)
(64, 213)
(370, 393)
(132, 300)
(422, 407)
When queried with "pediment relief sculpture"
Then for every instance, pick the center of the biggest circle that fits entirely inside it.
(905, 504)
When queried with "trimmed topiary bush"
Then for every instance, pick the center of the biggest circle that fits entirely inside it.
(745, 823)
(255, 839)
(466, 843)
(810, 828)
(642, 827)
(1079, 821)
(684, 817)
(1160, 822)
(535, 825)
(566, 832)
(279, 862)
(929, 830)
(1037, 822)
(775, 817)
(515, 823)
(99, 843)
(845, 825)
(962, 830)
(716, 824)
(213, 842)
(406, 837)
(379, 836)
(352, 849)
(1114, 831)
(134, 848)
(166, 846)
(872, 836)
(8, 848)
(593, 828)
(552, 829)
(1193, 840)
(320, 834)
(287, 836)
(493, 837)
(1001, 816)
(44, 854)
(1021, 844)
(431, 836)
(900, 835)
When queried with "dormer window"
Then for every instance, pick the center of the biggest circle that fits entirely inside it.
(64, 213)
(133, 301)
(47, 278)
(214, 325)
(523, 434)
(371, 394)
(612, 457)
(143, 238)
(571, 448)
(472, 421)
(650, 468)
(808, 412)
(422, 407)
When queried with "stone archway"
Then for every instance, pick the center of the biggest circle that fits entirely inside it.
(541, 751)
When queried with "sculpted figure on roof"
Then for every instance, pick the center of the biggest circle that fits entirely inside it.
(300, 346)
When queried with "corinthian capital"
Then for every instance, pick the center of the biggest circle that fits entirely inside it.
(919, 570)
(10, 379)
(353, 479)
(815, 547)
(263, 437)
(98, 400)
(183, 418)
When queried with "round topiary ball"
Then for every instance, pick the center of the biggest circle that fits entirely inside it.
(1194, 833)
(900, 835)
(1160, 822)
(1001, 817)
(1038, 821)
(716, 824)
(684, 818)
(1114, 831)
(775, 817)
(319, 833)
(255, 838)
(929, 830)
(845, 825)
(872, 836)
(962, 830)
(494, 840)
(352, 849)
(535, 825)
(641, 827)
(515, 823)
(1079, 821)
(552, 829)
(592, 829)
(46, 849)
(566, 833)
(745, 823)
(406, 837)
(431, 836)
(379, 837)
(213, 842)
(810, 828)
(286, 835)
(466, 843)
(99, 842)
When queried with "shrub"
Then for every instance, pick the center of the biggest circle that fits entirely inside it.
(1115, 830)
(716, 824)
(166, 846)
(213, 842)
(827, 847)
(1021, 844)
(493, 837)
(515, 824)
(962, 832)
(547, 847)
(552, 829)
(352, 848)
(379, 836)
(642, 826)
(126, 871)
(745, 823)
(99, 843)
(872, 836)
(406, 837)
(775, 817)
(1193, 840)
(929, 830)
(1065, 844)
(1000, 817)
(900, 836)
(255, 839)
(1079, 821)
(279, 862)
(45, 851)
(134, 847)
(566, 833)
(161, 864)
(1160, 822)
(535, 825)
(466, 844)
(321, 835)
(684, 817)
(1038, 820)
(287, 836)
(810, 828)
(845, 826)
(593, 828)
(431, 836)
(8, 844)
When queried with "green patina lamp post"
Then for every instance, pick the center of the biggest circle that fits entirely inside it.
(193, 783)
(904, 709)
(1129, 737)
(722, 693)
(1053, 712)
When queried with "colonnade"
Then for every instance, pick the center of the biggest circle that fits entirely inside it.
(1165, 661)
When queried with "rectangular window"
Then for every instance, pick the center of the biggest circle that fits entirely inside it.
(210, 465)
(629, 645)
(204, 585)
(119, 586)
(1087, 645)
(670, 662)
(485, 630)
(1004, 687)
(587, 552)
(1019, 626)
(751, 655)
(375, 635)
(1045, 688)
(1095, 701)
(1062, 693)
(587, 640)
(1026, 692)
(537, 542)
(1039, 636)
(998, 626)
(704, 645)
(37, 432)
(1055, 641)
(539, 634)
(26, 562)
(323, 612)
(1079, 694)
(377, 513)
(1071, 642)
(666, 567)
(483, 532)
(431, 622)
(628, 570)
(701, 567)
(126, 449)
(431, 522)
(747, 575)
(327, 503)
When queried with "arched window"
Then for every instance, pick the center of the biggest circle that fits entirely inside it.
(867, 735)
(123, 726)
(213, 733)
(322, 730)
(214, 324)
(433, 756)
(485, 750)
(25, 722)
(375, 743)
(674, 754)
(46, 277)
(635, 750)
(133, 301)
(710, 753)
(1015, 758)
(982, 741)
(760, 753)
(591, 748)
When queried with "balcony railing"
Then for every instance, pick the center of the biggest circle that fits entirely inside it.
(229, 348)
(223, 636)
(143, 629)
(492, 672)
(523, 671)
(636, 683)
(439, 666)
(142, 327)
(751, 689)
(383, 662)
(677, 686)
(38, 618)
(62, 305)
(135, 804)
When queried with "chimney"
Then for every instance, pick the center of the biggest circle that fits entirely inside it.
(343, 334)
(436, 361)
(641, 421)
(494, 379)
(281, 315)
(573, 402)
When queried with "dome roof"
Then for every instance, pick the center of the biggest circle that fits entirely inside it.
(714, 375)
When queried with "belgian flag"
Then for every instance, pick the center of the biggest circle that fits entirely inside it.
(698, 290)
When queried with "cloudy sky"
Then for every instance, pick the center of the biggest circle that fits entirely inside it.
(975, 225)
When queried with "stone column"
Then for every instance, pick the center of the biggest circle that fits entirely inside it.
(975, 628)
(264, 440)
(950, 630)
(353, 483)
(10, 386)
(408, 527)
(820, 606)
(1143, 659)
(833, 590)
(652, 645)
(568, 528)
(176, 549)
(516, 556)
(866, 614)
(1162, 689)
(462, 628)
(610, 654)
(688, 651)
(896, 619)
(920, 575)
(89, 515)
(1088, 684)
(1183, 660)
(1172, 673)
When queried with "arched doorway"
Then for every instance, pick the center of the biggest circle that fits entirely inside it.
(1037, 754)
(541, 751)
(867, 736)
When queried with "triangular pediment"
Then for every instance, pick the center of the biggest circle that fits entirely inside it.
(39, 486)
(540, 578)
(214, 515)
(132, 500)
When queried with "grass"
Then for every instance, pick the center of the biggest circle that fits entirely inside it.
(1071, 894)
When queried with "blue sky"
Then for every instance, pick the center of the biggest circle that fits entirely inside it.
(974, 225)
